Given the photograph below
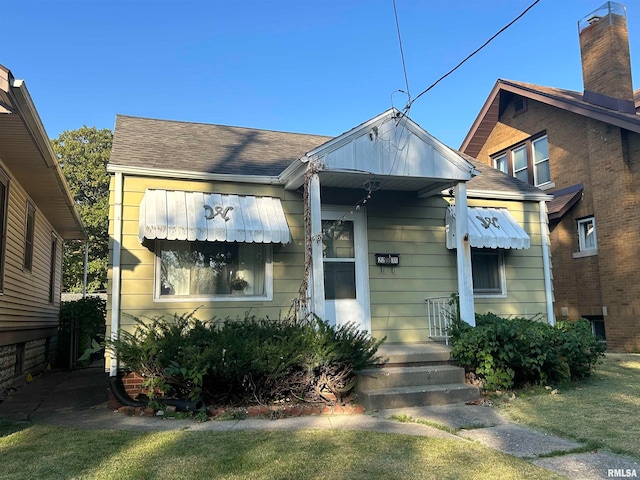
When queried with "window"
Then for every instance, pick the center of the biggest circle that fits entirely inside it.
(29, 231)
(4, 202)
(587, 234)
(488, 271)
(528, 161)
(339, 260)
(212, 269)
(52, 268)
(500, 163)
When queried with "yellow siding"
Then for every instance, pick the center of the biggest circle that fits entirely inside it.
(411, 227)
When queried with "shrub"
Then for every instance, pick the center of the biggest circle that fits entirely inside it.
(513, 352)
(80, 323)
(247, 360)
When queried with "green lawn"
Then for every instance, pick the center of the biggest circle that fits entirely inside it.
(602, 410)
(46, 452)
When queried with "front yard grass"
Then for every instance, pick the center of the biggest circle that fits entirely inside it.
(601, 410)
(48, 452)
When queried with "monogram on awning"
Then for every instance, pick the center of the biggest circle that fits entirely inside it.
(489, 228)
(211, 217)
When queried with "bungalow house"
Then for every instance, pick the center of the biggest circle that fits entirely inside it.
(37, 214)
(377, 226)
(584, 149)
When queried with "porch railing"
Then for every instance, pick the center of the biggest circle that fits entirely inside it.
(440, 312)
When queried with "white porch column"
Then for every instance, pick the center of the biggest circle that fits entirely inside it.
(317, 265)
(463, 254)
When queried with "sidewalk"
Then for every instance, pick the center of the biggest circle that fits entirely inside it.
(78, 399)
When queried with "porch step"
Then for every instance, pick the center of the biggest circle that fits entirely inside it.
(413, 375)
(390, 377)
(417, 396)
(430, 353)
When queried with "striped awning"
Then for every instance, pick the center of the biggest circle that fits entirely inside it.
(489, 228)
(211, 217)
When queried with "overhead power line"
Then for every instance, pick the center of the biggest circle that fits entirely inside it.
(404, 66)
(410, 102)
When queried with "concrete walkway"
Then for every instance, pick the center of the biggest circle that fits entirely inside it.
(78, 399)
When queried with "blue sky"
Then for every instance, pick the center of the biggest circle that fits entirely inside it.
(318, 67)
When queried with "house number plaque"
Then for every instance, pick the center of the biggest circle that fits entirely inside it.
(392, 259)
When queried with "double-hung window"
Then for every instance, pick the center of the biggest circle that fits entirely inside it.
(487, 266)
(29, 234)
(527, 161)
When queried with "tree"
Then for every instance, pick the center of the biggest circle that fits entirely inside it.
(83, 155)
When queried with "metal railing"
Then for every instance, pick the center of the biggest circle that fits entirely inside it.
(440, 312)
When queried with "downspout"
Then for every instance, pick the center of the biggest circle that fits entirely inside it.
(86, 261)
(115, 270)
(546, 262)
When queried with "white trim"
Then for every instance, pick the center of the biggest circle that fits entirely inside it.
(189, 175)
(585, 253)
(463, 256)
(115, 269)
(546, 262)
(502, 274)
(494, 195)
(317, 265)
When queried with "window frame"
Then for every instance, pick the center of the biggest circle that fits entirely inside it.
(582, 240)
(268, 281)
(500, 292)
(29, 236)
(528, 146)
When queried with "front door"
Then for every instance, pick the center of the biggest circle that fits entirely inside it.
(346, 270)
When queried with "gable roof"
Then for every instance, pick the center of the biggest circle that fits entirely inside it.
(569, 100)
(199, 147)
(26, 151)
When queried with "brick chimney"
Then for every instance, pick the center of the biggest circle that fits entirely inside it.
(606, 61)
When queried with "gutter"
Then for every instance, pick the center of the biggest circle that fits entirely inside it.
(187, 175)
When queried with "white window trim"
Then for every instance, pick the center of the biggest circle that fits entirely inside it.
(504, 158)
(582, 239)
(503, 280)
(268, 286)
(513, 161)
(535, 164)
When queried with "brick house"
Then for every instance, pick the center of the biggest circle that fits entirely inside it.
(584, 148)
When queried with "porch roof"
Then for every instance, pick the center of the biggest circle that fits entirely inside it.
(211, 217)
(489, 228)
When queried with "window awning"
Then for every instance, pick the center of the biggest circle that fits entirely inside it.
(489, 228)
(211, 217)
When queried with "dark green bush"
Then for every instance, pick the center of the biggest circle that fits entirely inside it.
(80, 322)
(247, 360)
(514, 352)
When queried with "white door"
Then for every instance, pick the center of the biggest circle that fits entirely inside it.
(346, 269)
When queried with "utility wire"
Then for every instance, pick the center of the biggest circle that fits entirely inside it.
(410, 102)
(404, 66)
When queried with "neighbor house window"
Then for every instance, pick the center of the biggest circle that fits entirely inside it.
(4, 202)
(52, 268)
(488, 271)
(211, 269)
(29, 232)
(587, 234)
(527, 161)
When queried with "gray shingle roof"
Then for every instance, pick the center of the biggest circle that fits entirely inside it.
(199, 147)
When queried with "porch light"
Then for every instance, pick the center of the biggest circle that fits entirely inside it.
(372, 185)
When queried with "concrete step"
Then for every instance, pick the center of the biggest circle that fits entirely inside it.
(390, 377)
(429, 353)
(417, 396)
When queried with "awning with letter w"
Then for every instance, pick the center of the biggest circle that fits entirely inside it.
(211, 217)
(489, 228)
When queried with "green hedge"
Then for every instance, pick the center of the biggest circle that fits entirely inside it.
(80, 323)
(247, 360)
(506, 353)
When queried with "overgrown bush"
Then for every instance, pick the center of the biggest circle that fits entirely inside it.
(80, 323)
(247, 360)
(505, 353)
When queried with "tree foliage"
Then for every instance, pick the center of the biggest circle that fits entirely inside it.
(83, 155)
